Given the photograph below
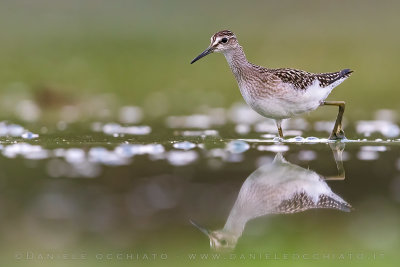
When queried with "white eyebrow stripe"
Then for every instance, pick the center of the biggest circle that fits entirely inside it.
(217, 40)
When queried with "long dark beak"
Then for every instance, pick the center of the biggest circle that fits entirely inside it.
(202, 229)
(205, 53)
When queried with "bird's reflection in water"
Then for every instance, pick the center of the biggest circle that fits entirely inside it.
(279, 187)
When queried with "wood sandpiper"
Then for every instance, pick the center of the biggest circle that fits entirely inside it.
(275, 188)
(278, 93)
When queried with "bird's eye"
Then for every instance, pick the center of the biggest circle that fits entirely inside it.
(224, 40)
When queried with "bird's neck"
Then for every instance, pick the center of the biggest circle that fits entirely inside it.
(235, 223)
(237, 61)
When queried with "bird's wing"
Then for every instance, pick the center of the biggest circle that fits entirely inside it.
(302, 80)
(301, 202)
(326, 79)
(297, 78)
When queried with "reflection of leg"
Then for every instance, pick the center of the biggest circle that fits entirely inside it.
(279, 125)
(337, 149)
(337, 132)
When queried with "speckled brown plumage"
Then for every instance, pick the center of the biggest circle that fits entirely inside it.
(301, 79)
(301, 201)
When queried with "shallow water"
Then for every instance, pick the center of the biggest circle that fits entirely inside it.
(119, 192)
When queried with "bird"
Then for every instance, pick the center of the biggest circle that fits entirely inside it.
(279, 187)
(278, 93)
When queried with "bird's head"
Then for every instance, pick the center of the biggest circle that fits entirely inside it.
(220, 42)
(220, 240)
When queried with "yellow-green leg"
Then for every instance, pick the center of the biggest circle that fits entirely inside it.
(337, 149)
(337, 132)
(279, 125)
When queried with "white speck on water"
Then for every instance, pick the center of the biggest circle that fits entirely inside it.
(386, 128)
(106, 157)
(59, 152)
(225, 155)
(29, 135)
(307, 155)
(181, 158)
(130, 114)
(374, 148)
(115, 129)
(267, 136)
(137, 130)
(237, 146)
(297, 139)
(367, 155)
(277, 139)
(111, 128)
(311, 139)
(74, 155)
(200, 133)
(25, 150)
(242, 128)
(273, 148)
(128, 150)
(14, 130)
(185, 145)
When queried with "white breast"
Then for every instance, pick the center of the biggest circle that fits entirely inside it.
(287, 101)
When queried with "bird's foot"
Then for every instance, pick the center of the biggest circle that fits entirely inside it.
(338, 135)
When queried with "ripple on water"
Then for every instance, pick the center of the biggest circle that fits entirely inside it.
(185, 145)
(237, 146)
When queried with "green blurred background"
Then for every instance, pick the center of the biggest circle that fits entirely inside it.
(93, 56)
(139, 51)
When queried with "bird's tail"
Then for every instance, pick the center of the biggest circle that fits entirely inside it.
(345, 73)
(335, 78)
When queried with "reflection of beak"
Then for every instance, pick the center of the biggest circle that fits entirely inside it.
(202, 229)
(205, 53)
